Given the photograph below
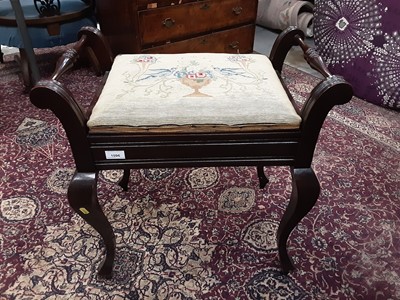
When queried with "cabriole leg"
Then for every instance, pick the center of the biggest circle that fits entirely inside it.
(305, 192)
(125, 179)
(261, 177)
(82, 196)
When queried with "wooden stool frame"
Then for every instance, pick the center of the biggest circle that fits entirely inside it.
(294, 148)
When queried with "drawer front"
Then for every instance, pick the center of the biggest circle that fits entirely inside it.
(238, 40)
(181, 21)
(144, 4)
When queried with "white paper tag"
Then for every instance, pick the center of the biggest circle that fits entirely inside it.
(116, 154)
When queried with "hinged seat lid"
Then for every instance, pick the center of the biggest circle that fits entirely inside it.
(200, 92)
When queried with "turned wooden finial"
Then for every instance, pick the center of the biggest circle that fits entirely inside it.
(313, 58)
(68, 59)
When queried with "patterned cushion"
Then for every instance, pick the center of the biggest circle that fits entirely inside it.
(360, 39)
(192, 92)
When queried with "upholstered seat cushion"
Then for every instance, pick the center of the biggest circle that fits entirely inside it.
(192, 92)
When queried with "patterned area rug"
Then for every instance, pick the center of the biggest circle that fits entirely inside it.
(201, 233)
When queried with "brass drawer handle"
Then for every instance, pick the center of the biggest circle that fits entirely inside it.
(237, 10)
(234, 45)
(168, 22)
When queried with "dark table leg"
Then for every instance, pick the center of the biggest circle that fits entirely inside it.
(19, 16)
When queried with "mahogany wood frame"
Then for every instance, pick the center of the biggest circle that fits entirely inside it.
(294, 148)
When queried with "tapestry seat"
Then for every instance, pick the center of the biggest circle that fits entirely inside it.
(190, 110)
(192, 93)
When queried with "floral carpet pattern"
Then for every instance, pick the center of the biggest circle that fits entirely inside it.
(201, 233)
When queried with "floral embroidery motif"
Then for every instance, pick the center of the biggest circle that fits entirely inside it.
(195, 80)
(190, 75)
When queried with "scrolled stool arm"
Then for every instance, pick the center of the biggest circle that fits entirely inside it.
(284, 42)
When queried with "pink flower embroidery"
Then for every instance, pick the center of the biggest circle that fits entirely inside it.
(145, 58)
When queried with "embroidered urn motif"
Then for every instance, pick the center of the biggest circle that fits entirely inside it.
(195, 80)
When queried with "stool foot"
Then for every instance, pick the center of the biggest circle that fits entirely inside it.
(106, 267)
(82, 196)
(261, 177)
(125, 180)
(305, 192)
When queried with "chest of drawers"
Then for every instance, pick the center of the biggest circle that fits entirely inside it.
(148, 26)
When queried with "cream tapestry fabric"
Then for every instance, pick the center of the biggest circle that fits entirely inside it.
(148, 91)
